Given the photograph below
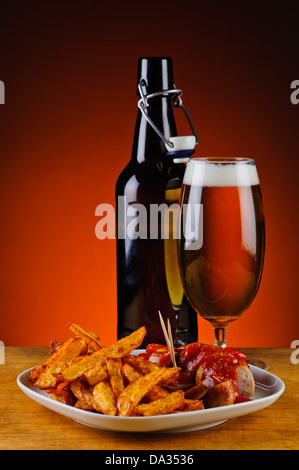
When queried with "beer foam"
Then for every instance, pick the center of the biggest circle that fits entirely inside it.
(205, 173)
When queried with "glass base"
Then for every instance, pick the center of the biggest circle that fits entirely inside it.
(220, 336)
(257, 363)
(220, 341)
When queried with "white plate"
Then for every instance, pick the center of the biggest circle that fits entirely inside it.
(268, 389)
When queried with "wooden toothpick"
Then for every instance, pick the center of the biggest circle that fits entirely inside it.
(168, 338)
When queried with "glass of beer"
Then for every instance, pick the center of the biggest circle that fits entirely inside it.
(221, 238)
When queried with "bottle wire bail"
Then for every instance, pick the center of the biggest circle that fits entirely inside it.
(174, 145)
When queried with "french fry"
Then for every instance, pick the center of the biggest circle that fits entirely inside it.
(191, 405)
(91, 338)
(130, 373)
(114, 366)
(155, 393)
(135, 391)
(74, 371)
(72, 348)
(162, 406)
(83, 394)
(121, 348)
(55, 344)
(83, 406)
(95, 375)
(125, 345)
(63, 396)
(61, 386)
(36, 372)
(104, 398)
(75, 360)
(140, 364)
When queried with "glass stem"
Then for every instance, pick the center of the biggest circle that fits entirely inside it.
(220, 336)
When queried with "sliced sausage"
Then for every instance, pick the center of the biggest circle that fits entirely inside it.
(222, 394)
(245, 381)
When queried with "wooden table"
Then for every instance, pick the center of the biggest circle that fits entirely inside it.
(26, 425)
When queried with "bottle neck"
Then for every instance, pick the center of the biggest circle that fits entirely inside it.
(147, 144)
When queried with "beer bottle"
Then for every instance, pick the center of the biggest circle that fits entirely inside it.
(148, 279)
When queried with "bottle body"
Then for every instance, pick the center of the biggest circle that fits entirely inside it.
(148, 279)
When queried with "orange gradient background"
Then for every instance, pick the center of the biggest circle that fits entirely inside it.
(66, 132)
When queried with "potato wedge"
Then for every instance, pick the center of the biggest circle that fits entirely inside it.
(154, 393)
(125, 345)
(55, 344)
(72, 348)
(121, 348)
(36, 372)
(63, 396)
(129, 373)
(135, 391)
(114, 367)
(140, 364)
(191, 405)
(104, 398)
(162, 406)
(95, 375)
(74, 371)
(82, 406)
(83, 394)
(91, 338)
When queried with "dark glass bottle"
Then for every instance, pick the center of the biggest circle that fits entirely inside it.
(151, 177)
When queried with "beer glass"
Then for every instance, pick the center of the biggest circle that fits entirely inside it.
(221, 238)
